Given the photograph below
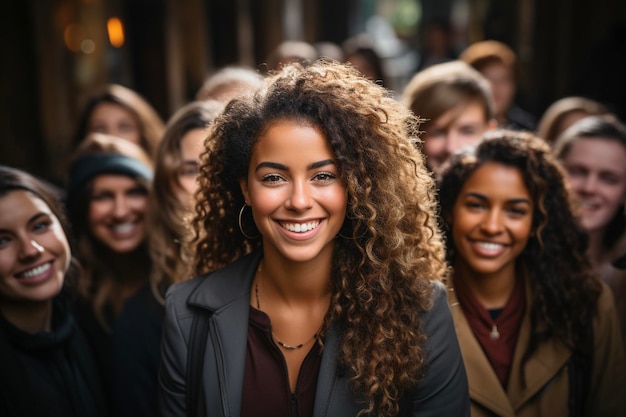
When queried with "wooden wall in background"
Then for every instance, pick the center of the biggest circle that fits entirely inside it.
(567, 47)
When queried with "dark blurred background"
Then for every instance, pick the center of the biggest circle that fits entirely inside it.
(57, 51)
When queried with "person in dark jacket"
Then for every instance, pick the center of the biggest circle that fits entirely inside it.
(320, 262)
(46, 367)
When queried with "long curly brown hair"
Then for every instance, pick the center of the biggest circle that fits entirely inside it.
(389, 248)
(564, 289)
(168, 216)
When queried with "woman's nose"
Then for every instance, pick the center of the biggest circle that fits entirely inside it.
(121, 207)
(300, 197)
(589, 184)
(30, 248)
(492, 223)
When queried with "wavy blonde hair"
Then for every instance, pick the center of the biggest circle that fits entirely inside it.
(392, 248)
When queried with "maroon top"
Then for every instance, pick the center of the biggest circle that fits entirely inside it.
(266, 390)
(498, 336)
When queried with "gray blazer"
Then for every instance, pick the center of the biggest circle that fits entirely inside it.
(226, 293)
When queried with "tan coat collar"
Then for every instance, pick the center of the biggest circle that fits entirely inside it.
(485, 389)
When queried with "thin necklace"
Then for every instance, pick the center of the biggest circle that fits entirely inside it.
(494, 334)
(258, 307)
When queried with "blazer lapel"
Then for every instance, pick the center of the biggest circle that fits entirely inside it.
(334, 395)
(484, 386)
(229, 344)
(540, 368)
(328, 373)
(227, 294)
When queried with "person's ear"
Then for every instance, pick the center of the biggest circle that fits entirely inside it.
(243, 183)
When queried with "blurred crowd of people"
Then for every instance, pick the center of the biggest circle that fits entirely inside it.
(529, 219)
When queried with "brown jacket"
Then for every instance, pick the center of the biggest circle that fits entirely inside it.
(547, 387)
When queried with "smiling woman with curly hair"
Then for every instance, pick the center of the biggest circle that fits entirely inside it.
(537, 329)
(320, 262)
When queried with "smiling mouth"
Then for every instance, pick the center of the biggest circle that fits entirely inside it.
(490, 246)
(300, 227)
(34, 272)
(123, 228)
(589, 206)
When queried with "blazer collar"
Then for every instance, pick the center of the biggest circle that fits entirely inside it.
(227, 284)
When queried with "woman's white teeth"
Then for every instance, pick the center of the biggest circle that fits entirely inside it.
(123, 228)
(490, 246)
(35, 271)
(300, 227)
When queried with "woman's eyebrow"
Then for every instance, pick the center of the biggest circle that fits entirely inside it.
(274, 165)
(282, 167)
(485, 198)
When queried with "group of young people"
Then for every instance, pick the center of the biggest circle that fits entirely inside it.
(316, 247)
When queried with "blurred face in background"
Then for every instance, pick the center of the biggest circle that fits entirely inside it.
(596, 170)
(502, 83)
(363, 65)
(191, 146)
(113, 119)
(117, 212)
(457, 128)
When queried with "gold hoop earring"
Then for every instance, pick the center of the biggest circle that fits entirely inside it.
(241, 223)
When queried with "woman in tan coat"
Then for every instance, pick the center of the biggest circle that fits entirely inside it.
(538, 331)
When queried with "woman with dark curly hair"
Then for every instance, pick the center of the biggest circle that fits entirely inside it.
(538, 331)
(320, 262)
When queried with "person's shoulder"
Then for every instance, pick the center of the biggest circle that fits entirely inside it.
(606, 301)
(438, 291)
(141, 310)
(607, 318)
(520, 119)
(142, 301)
(217, 287)
(182, 290)
(439, 313)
